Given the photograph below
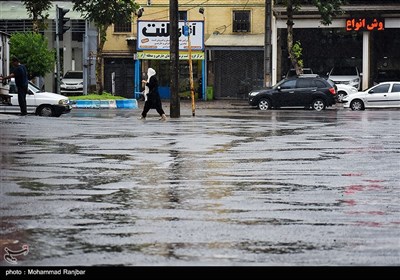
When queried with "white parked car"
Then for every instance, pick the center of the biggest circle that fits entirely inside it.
(346, 75)
(383, 95)
(344, 90)
(38, 102)
(72, 83)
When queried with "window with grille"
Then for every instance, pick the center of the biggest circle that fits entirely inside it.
(11, 26)
(241, 21)
(123, 27)
(78, 30)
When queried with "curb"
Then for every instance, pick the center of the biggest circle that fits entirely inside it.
(106, 104)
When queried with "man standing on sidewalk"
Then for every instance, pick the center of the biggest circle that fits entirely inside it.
(20, 74)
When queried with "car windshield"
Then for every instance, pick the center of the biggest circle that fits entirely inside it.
(347, 71)
(279, 83)
(73, 75)
(331, 83)
(33, 88)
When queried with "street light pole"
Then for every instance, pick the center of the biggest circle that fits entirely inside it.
(190, 68)
(174, 59)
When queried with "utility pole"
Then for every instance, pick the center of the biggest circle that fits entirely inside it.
(267, 44)
(186, 32)
(175, 110)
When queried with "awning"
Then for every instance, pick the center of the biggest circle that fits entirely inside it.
(230, 42)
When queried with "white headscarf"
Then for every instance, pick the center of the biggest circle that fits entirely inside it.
(150, 72)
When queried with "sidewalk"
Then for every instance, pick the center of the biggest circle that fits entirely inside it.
(185, 106)
(212, 104)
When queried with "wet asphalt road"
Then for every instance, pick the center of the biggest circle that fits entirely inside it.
(228, 187)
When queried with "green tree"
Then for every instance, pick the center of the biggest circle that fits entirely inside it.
(37, 10)
(31, 49)
(104, 13)
(326, 8)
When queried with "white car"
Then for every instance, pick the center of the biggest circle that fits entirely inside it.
(344, 90)
(38, 102)
(345, 75)
(383, 95)
(72, 83)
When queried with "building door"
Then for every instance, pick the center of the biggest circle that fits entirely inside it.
(237, 72)
(124, 76)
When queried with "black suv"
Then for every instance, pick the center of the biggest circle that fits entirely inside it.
(305, 91)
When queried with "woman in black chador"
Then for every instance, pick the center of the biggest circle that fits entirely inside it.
(152, 96)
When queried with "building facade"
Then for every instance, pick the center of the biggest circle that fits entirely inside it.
(366, 36)
(232, 53)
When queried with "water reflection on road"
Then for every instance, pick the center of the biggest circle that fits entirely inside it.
(286, 187)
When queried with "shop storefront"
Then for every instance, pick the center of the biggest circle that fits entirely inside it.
(366, 37)
(153, 45)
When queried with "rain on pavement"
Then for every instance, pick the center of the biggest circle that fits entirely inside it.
(227, 187)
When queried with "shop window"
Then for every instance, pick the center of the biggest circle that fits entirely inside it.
(123, 27)
(241, 21)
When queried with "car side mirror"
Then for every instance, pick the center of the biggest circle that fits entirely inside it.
(30, 92)
(279, 88)
(371, 91)
(361, 74)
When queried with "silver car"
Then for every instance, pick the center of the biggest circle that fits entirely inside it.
(346, 75)
(383, 95)
(72, 83)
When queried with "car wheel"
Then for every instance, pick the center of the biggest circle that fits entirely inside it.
(357, 105)
(264, 104)
(45, 111)
(341, 95)
(318, 105)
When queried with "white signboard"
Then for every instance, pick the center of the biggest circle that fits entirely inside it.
(155, 35)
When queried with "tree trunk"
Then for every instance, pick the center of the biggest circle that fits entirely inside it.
(290, 23)
(99, 59)
(35, 23)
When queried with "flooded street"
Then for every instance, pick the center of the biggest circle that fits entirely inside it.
(227, 187)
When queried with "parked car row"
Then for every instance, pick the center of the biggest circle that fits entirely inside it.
(343, 75)
(312, 91)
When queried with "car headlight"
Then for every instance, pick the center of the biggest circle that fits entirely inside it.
(254, 93)
(356, 80)
(63, 102)
(353, 90)
(62, 83)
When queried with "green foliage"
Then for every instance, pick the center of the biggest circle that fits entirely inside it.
(106, 12)
(31, 49)
(94, 96)
(37, 10)
(298, 52)
(326, 8)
